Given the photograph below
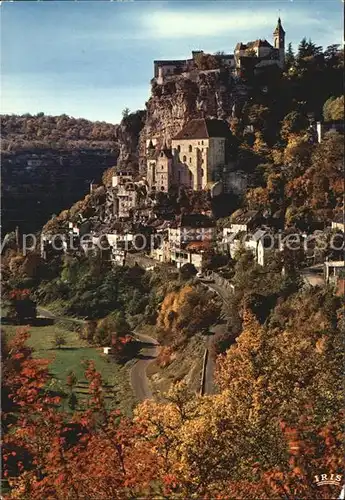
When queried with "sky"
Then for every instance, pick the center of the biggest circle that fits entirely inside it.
(92, 59)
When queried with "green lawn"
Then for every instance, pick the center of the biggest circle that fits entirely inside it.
(71, 357)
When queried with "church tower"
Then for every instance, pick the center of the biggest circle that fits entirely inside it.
(279, 41)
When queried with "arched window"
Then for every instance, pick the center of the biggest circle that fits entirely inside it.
(184, 158)
(190, 148)
(202, 143)
(202, 172)
(190, 160)
(179, 148)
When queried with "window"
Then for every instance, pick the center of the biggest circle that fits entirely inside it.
(202, 143)
(184, 158)
(202, 161)
(190, 160)
(190, 148)
(202, 172)
(179, 148)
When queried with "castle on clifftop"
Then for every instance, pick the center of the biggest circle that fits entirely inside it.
(255, 54)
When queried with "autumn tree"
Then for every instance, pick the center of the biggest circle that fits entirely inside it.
(333, 109)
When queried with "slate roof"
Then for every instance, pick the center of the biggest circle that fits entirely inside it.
(196, 220)
(252, 44)
(202, 128)
(279, 28)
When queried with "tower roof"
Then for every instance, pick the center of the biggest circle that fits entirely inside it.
(279, 29)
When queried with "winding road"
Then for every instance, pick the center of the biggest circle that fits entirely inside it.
(148, 353)
(149, 349)
(219, 327)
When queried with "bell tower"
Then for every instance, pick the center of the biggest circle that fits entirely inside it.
(279, 41)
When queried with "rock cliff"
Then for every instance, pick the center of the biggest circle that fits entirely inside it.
(208, 94)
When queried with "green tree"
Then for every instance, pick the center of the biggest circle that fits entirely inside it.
(290, 58)
(72, 401)
(59, 340)
(125, 113)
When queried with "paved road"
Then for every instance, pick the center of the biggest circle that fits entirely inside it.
(44, 313)
(148, 353)
(139, 380)
(218, 328)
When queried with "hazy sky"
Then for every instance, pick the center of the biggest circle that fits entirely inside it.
(92, 59)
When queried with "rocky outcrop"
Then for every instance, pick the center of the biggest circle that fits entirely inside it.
(127, 136)
(202, 94)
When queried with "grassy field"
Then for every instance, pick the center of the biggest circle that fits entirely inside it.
(71, 357)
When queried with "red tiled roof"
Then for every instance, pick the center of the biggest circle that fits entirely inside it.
(199, 245)
(202, 128)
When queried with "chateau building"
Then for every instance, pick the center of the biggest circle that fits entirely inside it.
(196, 153)
(262, 50)
(256, 54)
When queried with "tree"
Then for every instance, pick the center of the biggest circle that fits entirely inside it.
(125, 113)
(307, 49)
(293, 123)
(71, 379)
(21, 307)
(333, 109)
(59, 340)
(206, 61)
(289, 57)
(112, 327)
(187, 271)
(72, 401)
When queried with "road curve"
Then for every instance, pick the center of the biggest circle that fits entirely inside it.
(147, 354)
(209, 387)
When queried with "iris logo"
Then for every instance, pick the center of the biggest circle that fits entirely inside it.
(324, 479)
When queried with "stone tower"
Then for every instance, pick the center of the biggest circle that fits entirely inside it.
(279, 41)
(151, 164)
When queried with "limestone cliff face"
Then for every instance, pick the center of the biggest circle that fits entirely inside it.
(127, 136)
(204, 94)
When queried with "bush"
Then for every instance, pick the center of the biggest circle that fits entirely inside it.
(59, 340)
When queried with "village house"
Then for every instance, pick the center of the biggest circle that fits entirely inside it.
(338, 222)
(124, 194)
(196, 253)
(191, 228)
(242, 221)
(323, 127)
(191, 240)
(260, 243)
(334, 269)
